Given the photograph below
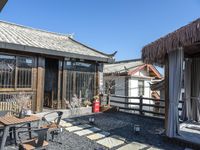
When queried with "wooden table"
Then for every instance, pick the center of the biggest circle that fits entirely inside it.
(12, 121)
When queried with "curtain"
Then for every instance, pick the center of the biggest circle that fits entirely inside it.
(175, 83)
(186, 112)
(196, 89)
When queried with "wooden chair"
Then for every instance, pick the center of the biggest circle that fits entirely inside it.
(53, 126)
(33, 143)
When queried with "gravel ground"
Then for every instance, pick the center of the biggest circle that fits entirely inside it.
(120, 125)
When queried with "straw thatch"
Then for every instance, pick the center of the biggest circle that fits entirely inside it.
(155, 52)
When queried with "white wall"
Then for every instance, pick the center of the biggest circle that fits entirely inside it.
(133, 92)
(133, 89)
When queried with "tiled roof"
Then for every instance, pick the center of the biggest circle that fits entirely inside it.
(122, 66)
(25, 36)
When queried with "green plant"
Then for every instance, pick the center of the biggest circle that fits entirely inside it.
(86, 103)
(96, 98)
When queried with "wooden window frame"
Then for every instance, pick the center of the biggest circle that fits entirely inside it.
(16, 74)
(139, 88)
(74, 72)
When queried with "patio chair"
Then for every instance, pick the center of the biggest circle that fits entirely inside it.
(53, 126)
(11, 130)
(33, 143)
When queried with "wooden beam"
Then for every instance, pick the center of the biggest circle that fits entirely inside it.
(64, 84)
(34, 84)
(40, 84)
(60, 64)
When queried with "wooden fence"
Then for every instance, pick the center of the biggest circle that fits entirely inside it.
(156, 107)
(8, 102)
(12, 106)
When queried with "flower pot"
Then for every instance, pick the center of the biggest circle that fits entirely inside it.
(22, 114)
(104, 108)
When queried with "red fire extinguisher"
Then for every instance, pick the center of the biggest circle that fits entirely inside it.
(95, 106)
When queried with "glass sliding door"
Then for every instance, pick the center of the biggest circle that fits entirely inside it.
(80, 80)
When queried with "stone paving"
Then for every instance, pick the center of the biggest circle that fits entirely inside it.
(110, 142)
(97, 136)
(81, 130)
(87, 131)
(102, 136)
(76, 128)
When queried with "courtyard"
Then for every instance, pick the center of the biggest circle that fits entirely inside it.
(113, 130)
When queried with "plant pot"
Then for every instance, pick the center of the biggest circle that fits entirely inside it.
(104, 108)
(22, 114)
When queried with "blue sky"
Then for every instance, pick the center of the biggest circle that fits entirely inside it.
(106, 25)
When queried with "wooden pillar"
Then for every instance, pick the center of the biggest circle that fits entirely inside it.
(64, 85)
(99, 80)
(126, 80)
(34, 84)
(40, 83)
(166, 90)
(59, 99)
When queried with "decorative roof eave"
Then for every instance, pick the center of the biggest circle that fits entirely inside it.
(2, 4)
(155, 52)
(108, 55)
(149, 66)
(38, 50)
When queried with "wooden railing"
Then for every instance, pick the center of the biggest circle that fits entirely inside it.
(141, 105)
(153, 108)
(12, 106)
(8, 101)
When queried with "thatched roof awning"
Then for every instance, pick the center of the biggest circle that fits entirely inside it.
(155, 52)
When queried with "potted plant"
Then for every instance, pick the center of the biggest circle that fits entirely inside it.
(23, 101)
(86, 103)
(104, 108)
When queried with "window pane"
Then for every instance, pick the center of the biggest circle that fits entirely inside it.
(140, 87)
(24, 72)
(7, 71)
(80, 80)
(87, 67)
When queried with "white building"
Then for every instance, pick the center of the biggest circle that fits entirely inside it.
(131, 78)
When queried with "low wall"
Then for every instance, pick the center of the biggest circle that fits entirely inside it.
(68, 113)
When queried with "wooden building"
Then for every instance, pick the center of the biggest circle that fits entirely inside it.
(179, 53)
(50, 66)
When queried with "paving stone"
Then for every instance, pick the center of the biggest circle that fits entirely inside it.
(153, 148)
(97, 136)
(65, 124)
(136, 146)
(87, 131)
(110, 142)
(69, 120)
(79, 127)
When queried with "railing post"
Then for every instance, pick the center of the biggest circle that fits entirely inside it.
(141, 103)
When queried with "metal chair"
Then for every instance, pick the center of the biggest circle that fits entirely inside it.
(33, 143)
(53, 126)
(12, 134)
